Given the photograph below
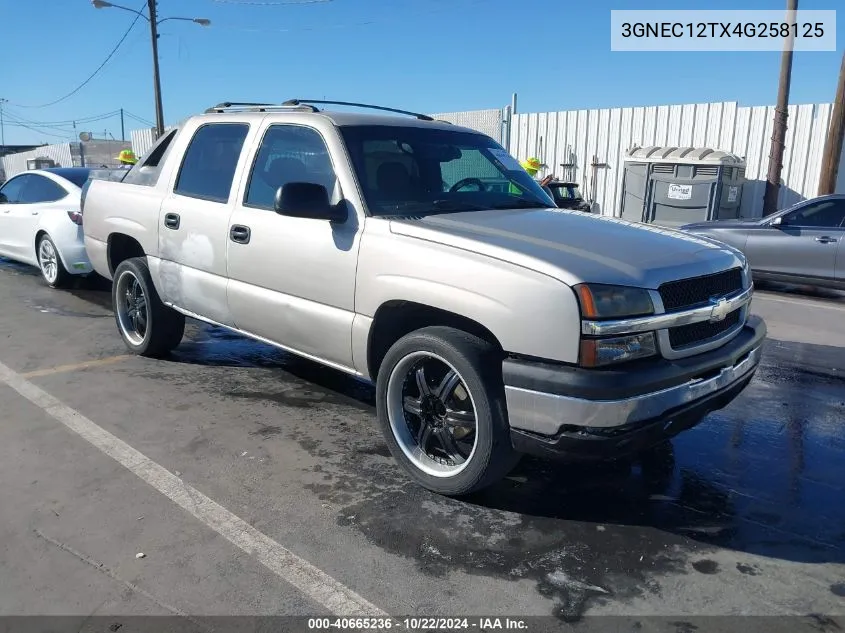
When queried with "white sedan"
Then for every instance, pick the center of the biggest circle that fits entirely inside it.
(41, 222)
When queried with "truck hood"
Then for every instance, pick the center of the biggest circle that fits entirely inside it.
(575, 247)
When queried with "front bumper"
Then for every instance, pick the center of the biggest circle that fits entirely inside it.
(581, 413)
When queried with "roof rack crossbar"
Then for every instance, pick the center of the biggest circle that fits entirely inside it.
(298, 102)
(257, 107)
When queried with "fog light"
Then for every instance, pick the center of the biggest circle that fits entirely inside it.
(619, 349)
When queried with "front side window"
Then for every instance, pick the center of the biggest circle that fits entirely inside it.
(40, 189)
(208, 167)
(823, 215)
(415, 170)
(10, 193)
(288, 153)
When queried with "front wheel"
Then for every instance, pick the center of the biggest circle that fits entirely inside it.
(148, 327)
(441, 407)
(52, 269)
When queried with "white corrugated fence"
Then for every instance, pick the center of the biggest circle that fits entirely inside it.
(16, 163)
(580, 139)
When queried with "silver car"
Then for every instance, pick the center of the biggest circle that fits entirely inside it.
(801, 244)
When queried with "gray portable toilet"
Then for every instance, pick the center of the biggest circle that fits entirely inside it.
(672, 186)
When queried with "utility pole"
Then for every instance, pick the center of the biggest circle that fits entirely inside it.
(2, 125)
(835, 134)
(151, 4)
(122, 127)
(770, 200)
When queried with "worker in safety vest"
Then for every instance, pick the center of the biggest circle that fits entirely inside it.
(126, 158)
(532, 166)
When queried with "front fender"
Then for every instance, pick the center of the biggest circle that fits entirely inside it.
(529, 313)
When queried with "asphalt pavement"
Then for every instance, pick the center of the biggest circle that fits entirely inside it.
(235, 479)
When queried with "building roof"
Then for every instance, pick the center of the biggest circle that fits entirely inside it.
(697, 155)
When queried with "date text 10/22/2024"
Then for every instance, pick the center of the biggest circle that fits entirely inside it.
(419, 624)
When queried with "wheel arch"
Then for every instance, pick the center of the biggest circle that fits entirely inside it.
(395, 318)
(120, 247)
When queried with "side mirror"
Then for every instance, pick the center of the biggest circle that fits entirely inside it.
(778, 221)
(307, 200)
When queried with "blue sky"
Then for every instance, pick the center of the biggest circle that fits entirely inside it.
(424, 55)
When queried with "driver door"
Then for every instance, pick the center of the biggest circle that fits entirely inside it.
(804, 245)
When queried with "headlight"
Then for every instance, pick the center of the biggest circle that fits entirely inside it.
(599, 301)
(597, 352)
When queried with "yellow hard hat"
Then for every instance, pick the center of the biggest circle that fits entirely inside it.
(531, 164)
(127, 156)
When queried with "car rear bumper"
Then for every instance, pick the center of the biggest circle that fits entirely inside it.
(594, 414)
(76, 260)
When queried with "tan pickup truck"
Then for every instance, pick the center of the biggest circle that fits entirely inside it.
(418, 255)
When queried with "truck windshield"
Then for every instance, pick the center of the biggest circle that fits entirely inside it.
(421, 170)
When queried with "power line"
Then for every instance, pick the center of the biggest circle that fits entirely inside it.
(94, 74)
(88, 119)
(61, 136)
(139, 119)
(271, 4)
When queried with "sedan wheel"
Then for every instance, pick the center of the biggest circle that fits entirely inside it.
(50, 263)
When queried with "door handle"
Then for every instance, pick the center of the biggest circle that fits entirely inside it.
(239, 233)
(172, 220)
(824, 239)
(35, 213)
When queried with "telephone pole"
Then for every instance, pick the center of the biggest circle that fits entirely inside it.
(151, 5)
(2, 124)
(835, 133)
(122, 127)
(770, 201)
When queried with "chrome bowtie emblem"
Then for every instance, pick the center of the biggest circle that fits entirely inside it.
(720, 309)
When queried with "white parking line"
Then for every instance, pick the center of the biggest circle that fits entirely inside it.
(799, 302)
(310, 580)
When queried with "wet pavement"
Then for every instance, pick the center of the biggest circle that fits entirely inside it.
(745, 514)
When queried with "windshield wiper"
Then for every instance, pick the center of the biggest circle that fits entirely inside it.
(433, 208)
(520, 204)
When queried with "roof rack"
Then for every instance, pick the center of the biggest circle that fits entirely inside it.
(229, 106)
(305, 102)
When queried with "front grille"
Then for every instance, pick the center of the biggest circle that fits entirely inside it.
(695, 291)
(698, 333)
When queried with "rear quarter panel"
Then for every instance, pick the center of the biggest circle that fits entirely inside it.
(116, 207)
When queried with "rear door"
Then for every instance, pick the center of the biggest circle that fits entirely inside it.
(194, 221)
(805, 245)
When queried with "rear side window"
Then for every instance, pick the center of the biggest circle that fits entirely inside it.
(208, 167)
(41, 189)
(148, 169)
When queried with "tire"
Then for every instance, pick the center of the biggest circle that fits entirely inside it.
(53, 271)
(477, 385)
(147, 326)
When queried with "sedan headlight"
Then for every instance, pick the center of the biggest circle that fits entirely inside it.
(600, 301)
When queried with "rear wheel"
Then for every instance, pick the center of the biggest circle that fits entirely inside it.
(148, 327)
(441, 407)
(52, 269)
